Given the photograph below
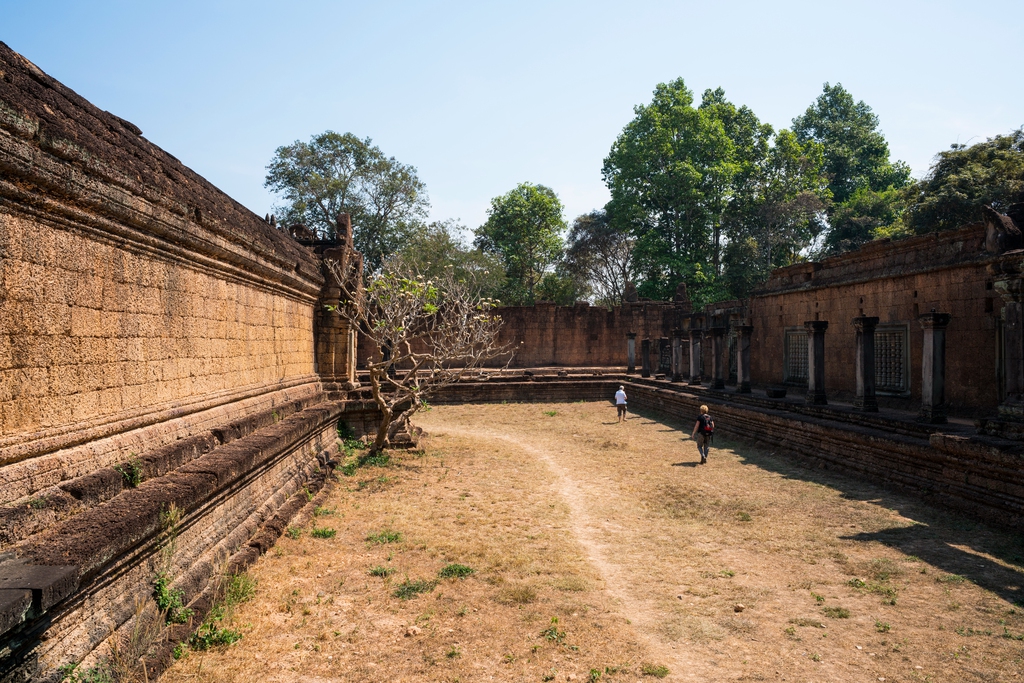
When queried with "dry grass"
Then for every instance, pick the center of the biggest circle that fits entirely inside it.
(643, 558)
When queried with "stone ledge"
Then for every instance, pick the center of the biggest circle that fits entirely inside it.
(14, 605)
(84, 544)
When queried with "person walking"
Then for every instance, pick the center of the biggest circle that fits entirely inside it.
(703, 430)
(620, 402)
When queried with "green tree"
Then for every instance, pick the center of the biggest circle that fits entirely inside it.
(524, 229)
(669, 172)
(856, 163)
(963, 179)
(440, 246)
(335, 173)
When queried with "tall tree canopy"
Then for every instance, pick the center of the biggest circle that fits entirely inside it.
(335, 173)
(714, 197)
(668, 174)
(440, 247)
(524, 229)
(861, 176)
(963, 179)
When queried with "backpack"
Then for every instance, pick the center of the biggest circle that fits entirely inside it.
(707, 425)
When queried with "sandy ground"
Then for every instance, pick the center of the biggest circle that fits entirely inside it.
(603, 551)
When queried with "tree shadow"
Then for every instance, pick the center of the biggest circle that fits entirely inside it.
(944, 538)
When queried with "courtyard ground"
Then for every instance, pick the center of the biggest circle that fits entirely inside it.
(602, 551)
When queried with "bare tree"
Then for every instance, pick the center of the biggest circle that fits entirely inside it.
(428, 332)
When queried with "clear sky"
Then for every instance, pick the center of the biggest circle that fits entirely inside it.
(480, 96)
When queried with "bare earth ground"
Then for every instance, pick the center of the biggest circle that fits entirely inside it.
(642, 556)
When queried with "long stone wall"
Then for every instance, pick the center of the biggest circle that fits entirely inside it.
(156, 354)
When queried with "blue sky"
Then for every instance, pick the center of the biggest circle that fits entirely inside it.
(480, 96)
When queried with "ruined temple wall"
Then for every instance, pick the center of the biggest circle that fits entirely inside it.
(897, 282)
(545, 335)
(156, 349)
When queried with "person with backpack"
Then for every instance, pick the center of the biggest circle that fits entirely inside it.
(706, 428)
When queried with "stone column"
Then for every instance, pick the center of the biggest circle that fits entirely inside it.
(677, 355)
(695, 336)
(1012, 292)
(816, 361)
(864, 364)
(645, 358)
(933, 368)
(630, 352)
(719, 357)
(743, 358)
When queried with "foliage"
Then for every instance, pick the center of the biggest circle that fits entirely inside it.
(712, 196)
(240, 588)
(322, 532)
(523, 230)
(131, 472)
(210, 635)
(600, 252)
(428, 334)
(385, 536)
(101, 673)
(170, 601)
(455, 571)
(440, 246)
(963, 179)
(335, 173)
(667, 173)
(861, 176)
(410, 589)
(381, 571)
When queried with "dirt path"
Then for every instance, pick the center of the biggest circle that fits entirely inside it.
(604, 552)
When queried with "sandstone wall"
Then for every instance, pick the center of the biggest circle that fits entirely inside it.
(897, 282)
(546, 335)
(148, 324)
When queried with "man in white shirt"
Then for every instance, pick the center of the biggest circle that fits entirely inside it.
(620, 402)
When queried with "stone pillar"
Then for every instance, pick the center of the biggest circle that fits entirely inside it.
(816, 361)
(743, 358)
(1012, 292)
(677, 355)
(645, 358)
(864, 364)
(719, 357)
(695, 336)
(933, 368)
(630, 352)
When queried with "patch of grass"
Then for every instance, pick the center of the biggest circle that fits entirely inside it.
(453, 652)
(817, 598)
(455, 571)
(131, 472)
(349, 469)
(378, 459)
(963, 631)
(210, 635)
(1009, 636)
(100, 673)
(320, 511)
(293, 532)
(727, 573)
(815, 657)
(385, 536)
(595, 675)
(656, 670)
(240, 588)
(551, 413)
(516, 594)
(322, 532)
(744, 516)
(884, 569)
(381, 571)
(572, 584)
(410, 589)
(951, 578)
(38, 503)
(888, 593)
(807, 622)
(836, 612)
(882, 626)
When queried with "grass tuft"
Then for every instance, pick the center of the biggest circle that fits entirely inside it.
(322, 532)
(383, 537)
(455, 571)
(836, 612)
(410, 589)
(381, 571)
(656, 670)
